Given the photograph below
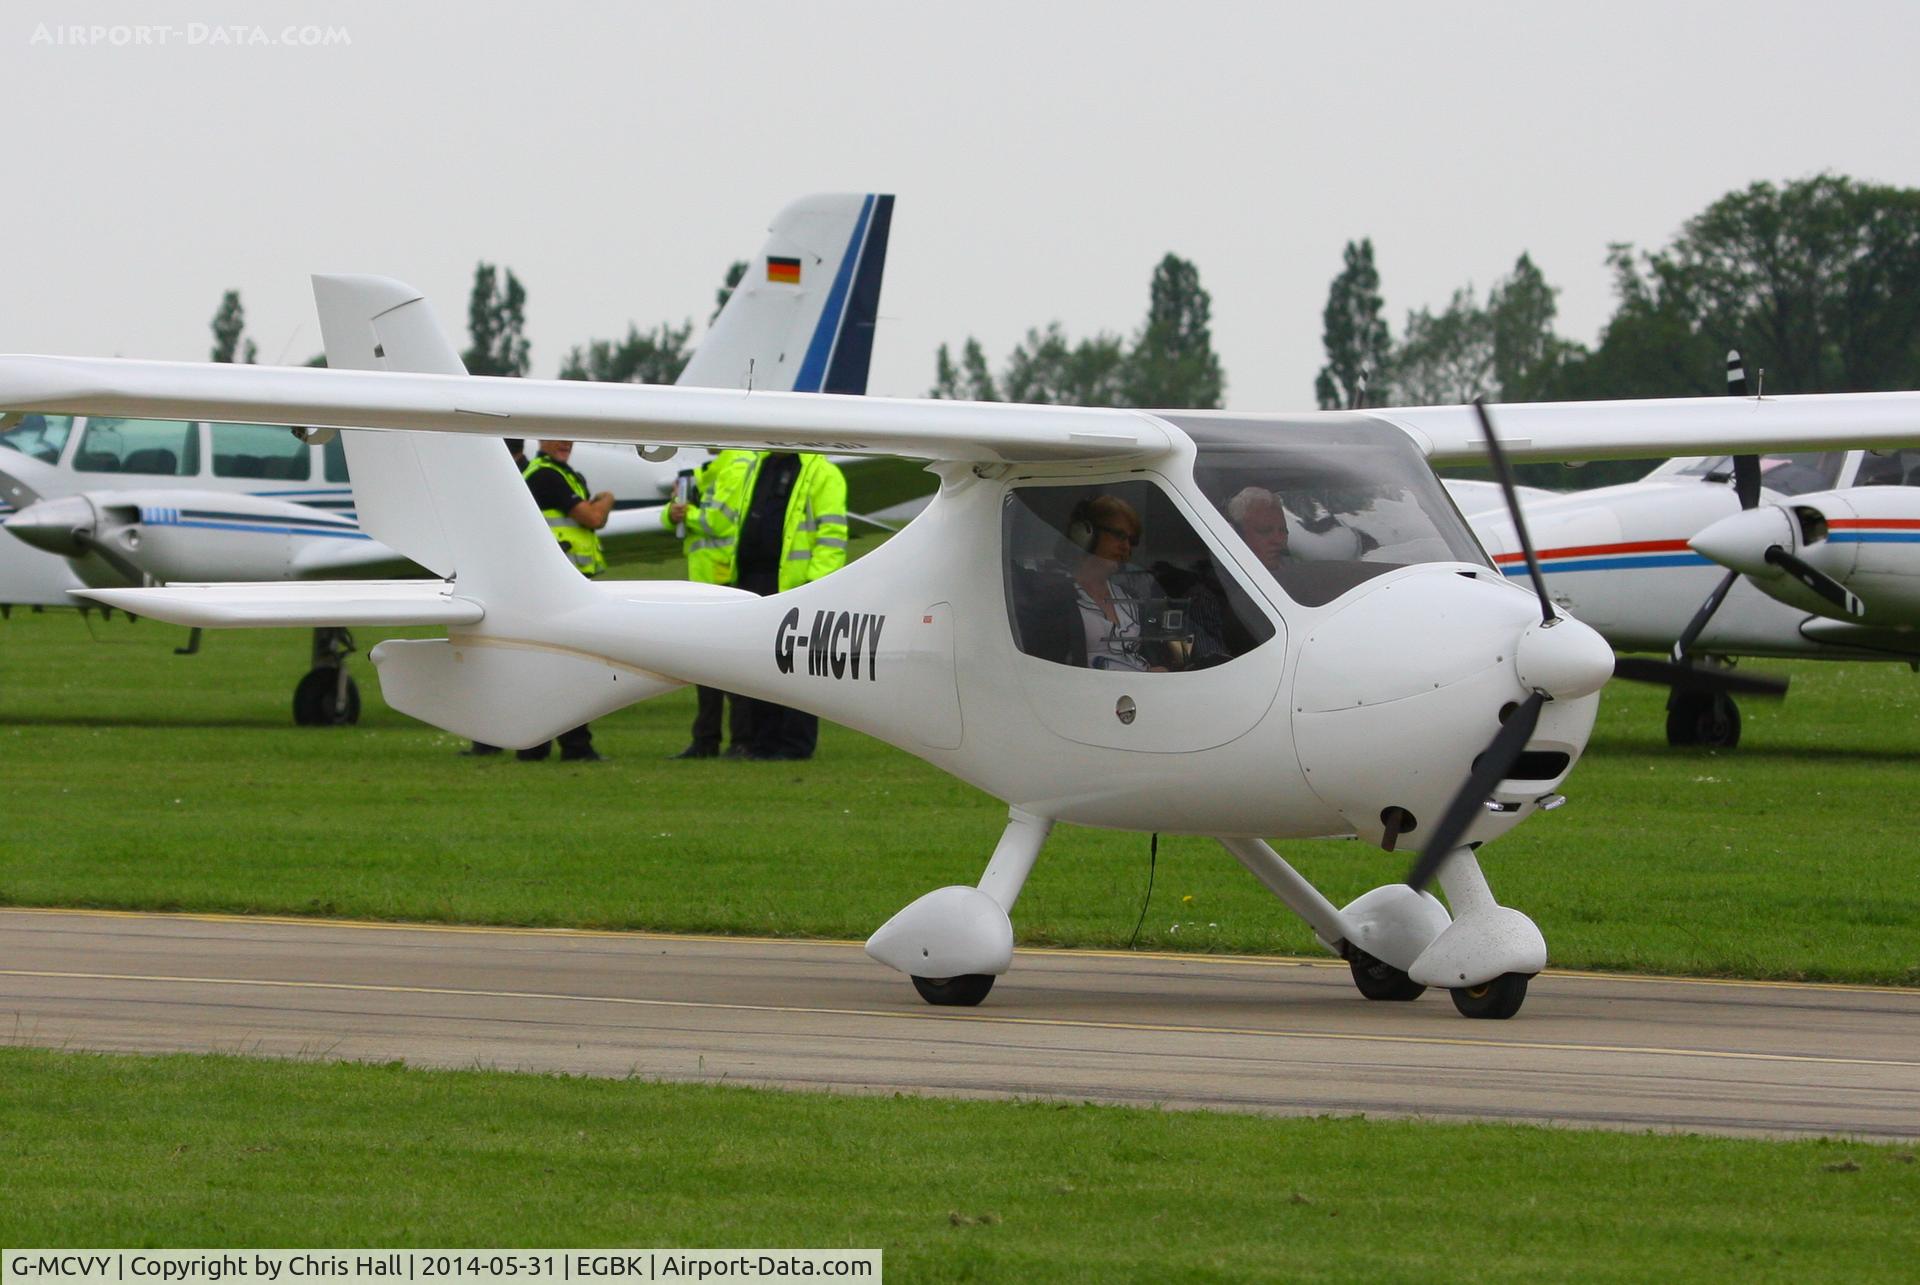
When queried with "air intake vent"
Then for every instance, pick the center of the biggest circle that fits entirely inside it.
(1540, 765)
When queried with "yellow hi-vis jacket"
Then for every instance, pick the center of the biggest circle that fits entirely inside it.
(582, 545)
(713, 524)
(813, 540)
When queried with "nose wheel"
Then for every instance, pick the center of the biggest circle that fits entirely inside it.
(1496, 1000)
(964, 991)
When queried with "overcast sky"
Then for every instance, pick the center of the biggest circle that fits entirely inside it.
(1045, 155)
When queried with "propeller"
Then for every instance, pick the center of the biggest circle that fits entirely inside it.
(1489, 769)
(67, 527)
(1816, 580)
(135, 574)
(1495, 763)
(1679, 669)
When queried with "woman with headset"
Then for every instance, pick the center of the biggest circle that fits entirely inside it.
(1106, 529)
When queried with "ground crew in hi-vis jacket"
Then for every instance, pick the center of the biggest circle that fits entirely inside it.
(575, 517)
(793, 531)
(710, 524)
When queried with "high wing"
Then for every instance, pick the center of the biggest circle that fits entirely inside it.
(932, 430)
(576, 410)
(1662, 427)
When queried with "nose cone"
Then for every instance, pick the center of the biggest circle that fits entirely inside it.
(1563, 658)
(1396, 693)
(1740, 542)
(51, 525)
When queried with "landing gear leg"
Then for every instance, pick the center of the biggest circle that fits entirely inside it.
(327, 696)
(1301, 897)
(954, 941)
(1490, 952)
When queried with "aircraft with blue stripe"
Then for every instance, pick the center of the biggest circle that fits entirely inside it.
(102, 502)
(1820, 562)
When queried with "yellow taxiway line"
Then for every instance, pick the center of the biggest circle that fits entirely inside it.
(1250, 961)
(918, 1015)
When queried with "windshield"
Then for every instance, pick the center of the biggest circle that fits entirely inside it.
(1788, 474)
(1327, 504)
(40, 436)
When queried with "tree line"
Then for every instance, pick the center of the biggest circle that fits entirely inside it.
(1815, 281)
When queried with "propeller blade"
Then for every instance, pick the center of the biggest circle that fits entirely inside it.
(1818, 581)
(1500, 470)
(1705, 678)
(1736, 374)
(1489, 769)
(1746, 480)
(1702, 616)
(136, 576)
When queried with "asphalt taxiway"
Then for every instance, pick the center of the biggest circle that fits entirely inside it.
(1286, 1036)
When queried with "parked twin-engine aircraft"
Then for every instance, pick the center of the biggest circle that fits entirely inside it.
(119, 501)
(1094, 620)
(1807, 531)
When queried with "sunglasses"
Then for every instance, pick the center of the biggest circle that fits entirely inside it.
(1119, 533)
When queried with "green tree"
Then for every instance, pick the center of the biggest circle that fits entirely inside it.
(1045, 368)
(1446, 357)
(1354, 333)
(1651, 347)
(1173, 363)
(655, 357)
(229, 323)
(496, 321)
(1816, 281)
(970, 381)
(735, 271)
(1170, 362)
(1527, 355)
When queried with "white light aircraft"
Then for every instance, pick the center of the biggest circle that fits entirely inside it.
(1813, 536)
(1075, 624)
(118, 501)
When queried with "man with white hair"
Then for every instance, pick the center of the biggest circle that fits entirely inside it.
(1256, 513)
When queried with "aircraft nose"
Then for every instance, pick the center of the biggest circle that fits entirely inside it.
(58, 526)
(1563, 658)
(1740, 542)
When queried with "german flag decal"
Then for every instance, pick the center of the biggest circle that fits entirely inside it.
(786, 270)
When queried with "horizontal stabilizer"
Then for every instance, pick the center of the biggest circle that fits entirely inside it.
(506, 694)
(316, 604)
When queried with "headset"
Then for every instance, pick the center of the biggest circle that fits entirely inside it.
(1081, 532)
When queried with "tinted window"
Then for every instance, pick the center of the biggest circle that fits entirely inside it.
(260, 450)
(1889, 468)
(1795, 474)
(334, 454)
(1327, 504)
(41, 436)
(156, 447)
(1112, 576)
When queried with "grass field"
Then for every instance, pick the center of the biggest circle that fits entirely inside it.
(125, 1152)
(140, 779)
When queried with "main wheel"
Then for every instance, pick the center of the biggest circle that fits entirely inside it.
(317, 700)
(960, 992)
(1703, 718)
(1377, 980)
(1498, 999)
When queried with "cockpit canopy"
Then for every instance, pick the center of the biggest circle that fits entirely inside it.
(1355, 496)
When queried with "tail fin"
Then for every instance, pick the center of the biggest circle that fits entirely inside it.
(802, 318)
(453, 503)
